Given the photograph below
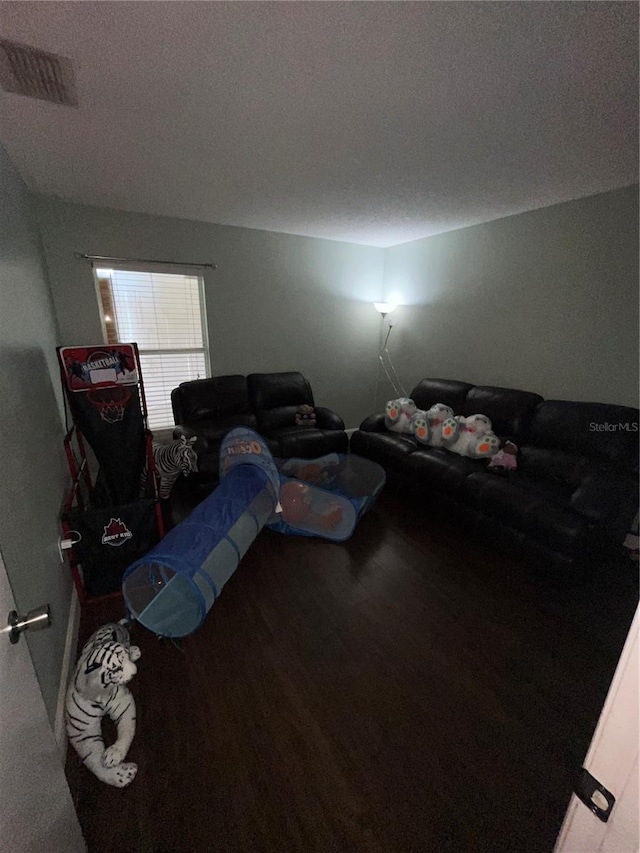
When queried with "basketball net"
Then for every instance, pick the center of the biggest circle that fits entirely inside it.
(110, 402)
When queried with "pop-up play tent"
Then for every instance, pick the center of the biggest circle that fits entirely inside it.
(172, 588)
(105, 523)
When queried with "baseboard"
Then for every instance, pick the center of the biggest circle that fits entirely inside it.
(68, 661)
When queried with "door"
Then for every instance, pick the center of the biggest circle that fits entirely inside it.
(612, 760)
(36, 810)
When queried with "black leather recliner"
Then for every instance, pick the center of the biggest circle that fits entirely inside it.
(266, 402)
(208, 409)
(274, 398)
(574, 494)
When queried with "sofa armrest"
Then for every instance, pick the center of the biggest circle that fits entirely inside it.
(202, 444)
(374, 423)
(327, 419)
(607, 499)
(185, 430)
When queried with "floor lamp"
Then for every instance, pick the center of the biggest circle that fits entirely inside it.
(384, 357)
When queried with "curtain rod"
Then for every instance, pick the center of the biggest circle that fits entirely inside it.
(82, 257)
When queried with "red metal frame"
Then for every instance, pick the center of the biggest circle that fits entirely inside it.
(151, 463)
(79, 471)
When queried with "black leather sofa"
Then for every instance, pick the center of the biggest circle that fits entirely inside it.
(266, 402)
(575, 492)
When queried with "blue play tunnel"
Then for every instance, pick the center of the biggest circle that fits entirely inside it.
(173, 587)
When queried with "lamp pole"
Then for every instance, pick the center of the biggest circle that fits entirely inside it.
(383, 308)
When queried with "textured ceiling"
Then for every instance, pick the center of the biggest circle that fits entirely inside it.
(370, 122)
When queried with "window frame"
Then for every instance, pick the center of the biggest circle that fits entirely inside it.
(192, 272)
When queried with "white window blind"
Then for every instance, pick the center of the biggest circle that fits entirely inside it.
(163, 312)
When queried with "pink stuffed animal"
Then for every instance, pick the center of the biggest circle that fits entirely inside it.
(505, 459)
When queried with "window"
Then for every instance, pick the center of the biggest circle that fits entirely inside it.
(163, 312)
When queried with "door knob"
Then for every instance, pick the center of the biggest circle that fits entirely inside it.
(35, 620)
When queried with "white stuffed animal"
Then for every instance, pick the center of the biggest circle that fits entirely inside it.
(461, 435)
(106, 664)
(485, 446)
(451, 430)
(398, 414)
(436, 417)
(420, 426)
(391, 414)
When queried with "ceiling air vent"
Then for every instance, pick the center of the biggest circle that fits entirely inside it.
(28, 71)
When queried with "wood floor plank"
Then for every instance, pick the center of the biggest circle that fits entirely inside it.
(408, 690)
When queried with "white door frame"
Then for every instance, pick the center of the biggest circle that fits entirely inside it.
(612, 759)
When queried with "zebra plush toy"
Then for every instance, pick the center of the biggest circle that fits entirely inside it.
(171, 460)
(98, 688)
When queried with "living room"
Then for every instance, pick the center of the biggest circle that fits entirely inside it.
(476, 162)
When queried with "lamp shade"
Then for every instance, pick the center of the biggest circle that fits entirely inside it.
(385, 307)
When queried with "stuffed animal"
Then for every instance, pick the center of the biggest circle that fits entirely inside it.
(451, 430)
(391, 414)
(106, 665)
(171, 460)
(506, 459)
(460, 434)
(420, 426)
(305, 416)
(436, 417)
(398, 414)
(485, 446)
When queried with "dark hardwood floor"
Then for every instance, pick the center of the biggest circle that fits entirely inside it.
(407, 690)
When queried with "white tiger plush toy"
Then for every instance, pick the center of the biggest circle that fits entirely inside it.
(106, 665)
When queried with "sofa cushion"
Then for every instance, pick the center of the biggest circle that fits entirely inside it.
(448, 391)
(210, 399)
(610, 500)
(439, 468)
(386, 448)
(510, 410)
(532, 508)
(555, 466)
(274, 390)
(602, 432)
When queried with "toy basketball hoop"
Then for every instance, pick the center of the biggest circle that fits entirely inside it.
(115, 526)
(110, 402)
(99, 366)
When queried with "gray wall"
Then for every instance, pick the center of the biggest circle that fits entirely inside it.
(545, 301)
(276, 301)
(33, 474)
